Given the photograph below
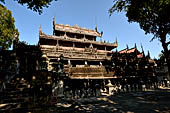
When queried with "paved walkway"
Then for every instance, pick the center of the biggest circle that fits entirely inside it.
(152, 101)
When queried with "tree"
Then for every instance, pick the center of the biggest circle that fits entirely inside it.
(35, 5)
(153, 17)
(8, 32)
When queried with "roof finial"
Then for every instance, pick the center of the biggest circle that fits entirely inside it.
(116, 41)
(135, 46)
(96, 28)
(53, 20)
(101, 33)
(96, 25)
(142, 48)
(148, 54)
(40, 27)
(127, 46)
(54, 25)
(40, 30)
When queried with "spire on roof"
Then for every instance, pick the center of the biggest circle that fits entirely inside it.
(142, 50)
(53, 20)
(148, 54)
(96, 28)
(40, 30)
(135, 46)
(101, 36)
(127, 47)
(116, 41)
(101, 33)
(53, 25)
(40, 27)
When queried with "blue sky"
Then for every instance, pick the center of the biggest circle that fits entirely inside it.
(85, 13)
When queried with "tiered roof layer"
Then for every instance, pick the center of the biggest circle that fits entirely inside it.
(76, 29)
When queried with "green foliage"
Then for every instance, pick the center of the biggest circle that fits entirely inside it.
(2, 1)
(152, 15)
(35, 5)
(8, 32)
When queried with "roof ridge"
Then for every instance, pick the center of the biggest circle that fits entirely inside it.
(76, 26)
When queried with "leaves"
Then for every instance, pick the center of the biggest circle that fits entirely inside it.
(3, 1)
(152, 15)
(8, 32)
(35, 5)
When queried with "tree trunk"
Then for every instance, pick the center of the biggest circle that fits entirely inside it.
(166, 52)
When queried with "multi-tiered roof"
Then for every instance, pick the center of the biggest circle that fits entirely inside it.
(79, 48)
(66, 37)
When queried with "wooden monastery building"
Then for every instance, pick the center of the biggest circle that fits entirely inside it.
(77, 60)
(84, 57)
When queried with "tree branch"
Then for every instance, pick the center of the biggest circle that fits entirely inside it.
(168, 43)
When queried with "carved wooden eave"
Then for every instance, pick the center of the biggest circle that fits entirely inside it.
(79, 57)
(76, 55)
(76, 29)
(73, 49)
(66, 38)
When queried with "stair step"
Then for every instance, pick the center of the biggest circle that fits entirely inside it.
(14, 107)
(13, 96)
(15, 100)
(14, 92)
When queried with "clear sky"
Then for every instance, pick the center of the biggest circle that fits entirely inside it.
(85, 13)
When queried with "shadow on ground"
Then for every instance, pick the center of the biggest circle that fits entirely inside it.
(153, 101)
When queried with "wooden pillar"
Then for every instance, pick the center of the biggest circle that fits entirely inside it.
(57, 46)
(37, 64)
(101, 63)
(73, 45)
(65, 34)
(17, 66)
